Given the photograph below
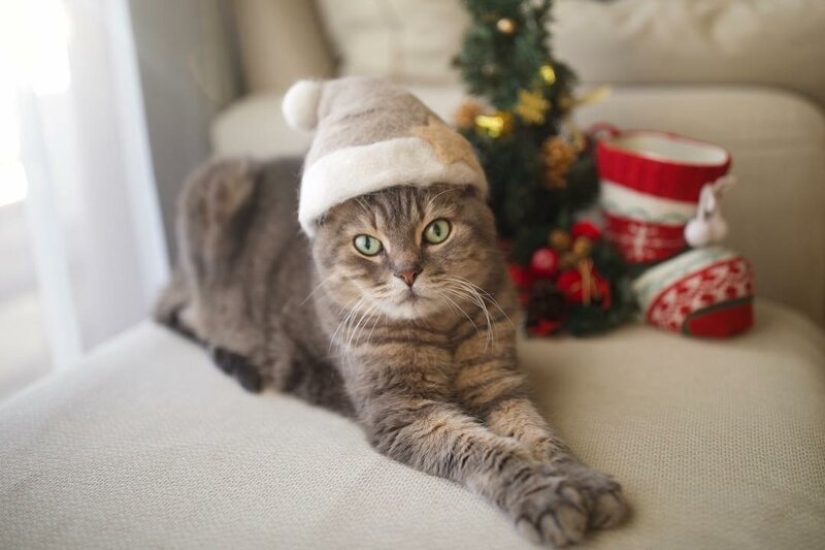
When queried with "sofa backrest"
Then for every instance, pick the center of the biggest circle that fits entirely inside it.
(760, 42)
(280, 42)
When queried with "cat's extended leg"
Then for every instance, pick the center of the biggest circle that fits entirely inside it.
(517, 417)
(490, 386)
(439, 439)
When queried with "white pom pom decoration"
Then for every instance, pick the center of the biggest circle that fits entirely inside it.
(300, 104)
(709, 226)
(698, 233)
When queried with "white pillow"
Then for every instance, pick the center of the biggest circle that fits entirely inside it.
(407, 40)
(772, 42)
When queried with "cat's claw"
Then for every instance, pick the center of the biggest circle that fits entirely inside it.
(608, 509)
(552, 512)
(605, 502)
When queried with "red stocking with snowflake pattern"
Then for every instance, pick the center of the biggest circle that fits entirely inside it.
(660, 198)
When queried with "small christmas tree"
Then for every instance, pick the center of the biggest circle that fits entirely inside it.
(541, 169)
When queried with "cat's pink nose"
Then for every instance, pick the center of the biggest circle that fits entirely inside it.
(408, 275)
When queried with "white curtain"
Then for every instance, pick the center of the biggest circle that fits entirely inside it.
(93, 216)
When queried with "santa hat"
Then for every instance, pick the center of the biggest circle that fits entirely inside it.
(371, 135)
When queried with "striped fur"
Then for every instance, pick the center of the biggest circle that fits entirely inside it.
(429, 370)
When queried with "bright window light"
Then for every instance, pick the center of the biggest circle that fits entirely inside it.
(33, 54)
(13, 185)
(33, 39)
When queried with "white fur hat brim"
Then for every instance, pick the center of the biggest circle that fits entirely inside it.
(355, 171)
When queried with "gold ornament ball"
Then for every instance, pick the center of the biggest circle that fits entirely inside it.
(547, 74)
(582, 247)
(495, 124)
(506, 25)
(559, 240)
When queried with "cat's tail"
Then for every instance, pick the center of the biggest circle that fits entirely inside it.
(170, 303)
(169, 312)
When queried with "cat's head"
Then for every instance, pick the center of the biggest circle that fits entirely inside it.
(408, 252)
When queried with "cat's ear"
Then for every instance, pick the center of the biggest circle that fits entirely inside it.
(300, 104)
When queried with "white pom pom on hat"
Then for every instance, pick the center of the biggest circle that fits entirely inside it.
(300, 104)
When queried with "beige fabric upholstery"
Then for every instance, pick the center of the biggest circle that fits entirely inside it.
(280, 42)
(776, 213)
(407, 40)
(148, 445)
(765, 42)
(762, 42)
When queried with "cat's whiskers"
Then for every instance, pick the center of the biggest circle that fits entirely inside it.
(357, 332)
(464, 293)
(457, 308)
(432, 198)
(378, 318)
(469, 291)
(355, 321)
(489, 297)
(317, 288)
(341, 324)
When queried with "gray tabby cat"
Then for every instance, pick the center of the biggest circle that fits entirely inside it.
(397, 312)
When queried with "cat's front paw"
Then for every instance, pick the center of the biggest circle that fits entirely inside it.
(238, 366)
(605, 502)
(550, 510)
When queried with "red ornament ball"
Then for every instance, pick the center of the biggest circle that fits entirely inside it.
(587, 229)
(545, 263)
(585, 285)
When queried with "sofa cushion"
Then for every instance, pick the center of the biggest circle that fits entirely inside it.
(762, 42)
(778, 146)
(407, 40)
(147, 445)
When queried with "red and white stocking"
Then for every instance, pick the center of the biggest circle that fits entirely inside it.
(660, 197)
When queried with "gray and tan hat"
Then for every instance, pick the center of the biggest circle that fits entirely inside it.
(371, 135)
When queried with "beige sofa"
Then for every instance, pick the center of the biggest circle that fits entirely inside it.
(718, 444)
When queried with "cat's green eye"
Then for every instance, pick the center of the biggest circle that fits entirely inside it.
(367, 245)
(437, 232)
